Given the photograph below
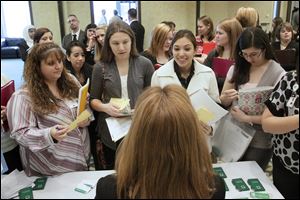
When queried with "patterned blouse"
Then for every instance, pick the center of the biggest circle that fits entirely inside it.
(39, 154)
(286, 146)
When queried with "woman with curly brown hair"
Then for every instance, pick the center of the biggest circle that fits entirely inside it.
(40, 112)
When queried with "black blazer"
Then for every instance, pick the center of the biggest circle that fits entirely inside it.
(107, 188)
(139, 32)
(68, 39)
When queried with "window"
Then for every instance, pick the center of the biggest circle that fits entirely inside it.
(121, 6)
(15, 15)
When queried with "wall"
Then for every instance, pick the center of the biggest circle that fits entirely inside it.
(45, 14)
(183, 13)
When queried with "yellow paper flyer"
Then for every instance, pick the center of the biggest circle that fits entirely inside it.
(82, 97)
(83, 116)
(205, 115)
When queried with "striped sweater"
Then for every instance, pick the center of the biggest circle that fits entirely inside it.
(39, 154)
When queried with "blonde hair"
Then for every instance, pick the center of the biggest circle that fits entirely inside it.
(248, 17)
(43, 101)
(165, 154)
(98, 46)
(233, 30)
(159, 36)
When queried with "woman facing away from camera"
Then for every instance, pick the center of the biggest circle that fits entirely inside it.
(177, 165)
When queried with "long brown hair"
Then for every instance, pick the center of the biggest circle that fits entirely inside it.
(206, 20)
(165, 154)
(159, 36)
(233, 30)
(43, 101)
(107, 56)
(98, 46)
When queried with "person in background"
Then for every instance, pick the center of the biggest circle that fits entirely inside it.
(185, 71)
(39, 115)
(159, 51)
(121, 73)
(137, 28)
(172, 25)
(28, 33)
(275, 23)
(295, 22)
(89, 41)
(255, 66)
(9, 147)
(100, 35)
(76, 32)
(41, 35)
(76, 62)
(281, 119)
(115, 18)
(248, 17)
(205, 28)
(179, 161)
(285, 36)
(103, 19)
(227, 33)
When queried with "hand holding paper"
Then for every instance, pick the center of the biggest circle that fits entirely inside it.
(122, 105)
(82, 117)
(59, 132)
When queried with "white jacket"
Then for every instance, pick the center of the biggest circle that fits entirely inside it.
(204, 78)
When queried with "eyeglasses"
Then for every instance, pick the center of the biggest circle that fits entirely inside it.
(251, 55)
(71, 20)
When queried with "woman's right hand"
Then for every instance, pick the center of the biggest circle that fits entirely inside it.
(59, 132)
(228, 96)
(112, 110)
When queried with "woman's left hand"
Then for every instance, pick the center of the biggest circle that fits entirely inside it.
(238, 114)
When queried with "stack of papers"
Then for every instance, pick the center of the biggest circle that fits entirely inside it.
(12, 183)
(118, 127)
(122, 104)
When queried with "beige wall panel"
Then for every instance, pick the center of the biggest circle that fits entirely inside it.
(183, 13)
(216, 10)
(283, 10)
(45, 14)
